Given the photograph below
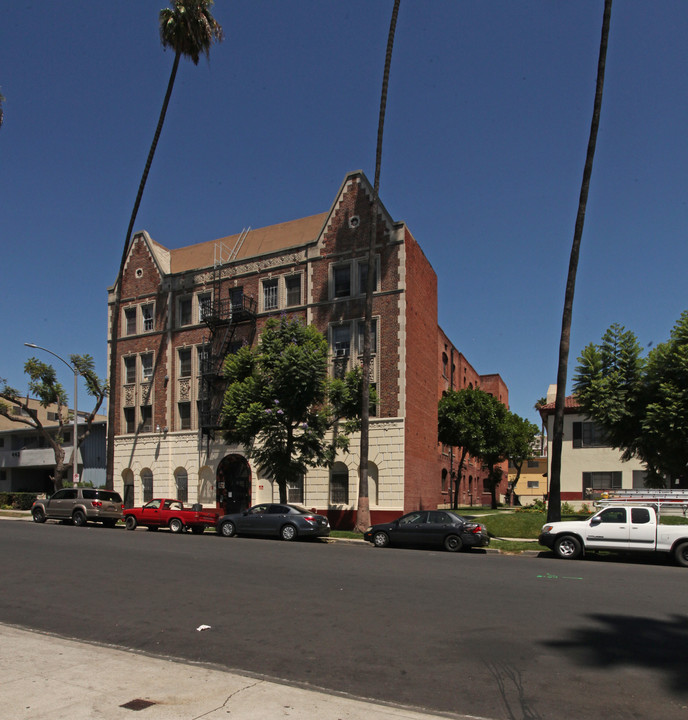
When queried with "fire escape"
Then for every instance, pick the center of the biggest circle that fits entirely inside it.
(231, 322)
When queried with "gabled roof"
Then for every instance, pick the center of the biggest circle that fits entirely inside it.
(251, 243)
(570, 406)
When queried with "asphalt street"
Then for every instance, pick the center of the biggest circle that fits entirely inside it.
(474, 633)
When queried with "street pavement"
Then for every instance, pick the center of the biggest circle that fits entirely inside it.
(54, 678)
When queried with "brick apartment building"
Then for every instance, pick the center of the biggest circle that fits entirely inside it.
(183, 310)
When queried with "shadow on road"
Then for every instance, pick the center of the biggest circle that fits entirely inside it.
(646, 643)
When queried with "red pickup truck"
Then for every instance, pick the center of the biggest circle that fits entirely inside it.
(163, 512)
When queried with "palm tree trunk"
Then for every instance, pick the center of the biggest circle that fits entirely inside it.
(363, 508)
(114, 318)
(554, 501)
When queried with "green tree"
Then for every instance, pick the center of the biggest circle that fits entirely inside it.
(478, 424)
(640, 403)
(459, 416)
(189, 29)
(44, 386)
(522, 436)
(280, 403)
(554, 504)
(363, 505)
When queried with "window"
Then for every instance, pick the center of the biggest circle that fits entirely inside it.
(185, 311)
(130, 370)
(363, 277)
(613, 515)
(52, 416)
(184, 415)
(533, 463)
(640, 516)
(203, 366)
(205, 306)
(533, 484)
(293, 286)
(341, 278)
(147, 484)
(295, 491)
(236, 299)
(146, 418)
(129, 420)
(270, 294)
(341, 339)
(339, 484)
(588, 434)
(602, 480)
(373, 336)
(130, 321)
(181, 480)
(445, 365)
(148, 320)
(147, 366)
(185, 362)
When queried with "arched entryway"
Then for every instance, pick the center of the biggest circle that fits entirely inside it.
(233, 484)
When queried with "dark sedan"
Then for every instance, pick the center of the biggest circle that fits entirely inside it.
(281, 520)
(427, 528)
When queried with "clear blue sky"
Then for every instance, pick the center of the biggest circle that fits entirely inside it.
(487, 125)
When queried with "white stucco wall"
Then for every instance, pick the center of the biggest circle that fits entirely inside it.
(163, 453)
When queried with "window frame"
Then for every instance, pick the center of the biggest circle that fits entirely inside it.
(130, 321)
(148, 320)
(298, 277)
(182, 314)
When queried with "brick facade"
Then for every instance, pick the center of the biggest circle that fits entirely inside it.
(313, 269)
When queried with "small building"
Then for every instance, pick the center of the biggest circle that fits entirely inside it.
(27, 462)
(182, 311)
(590, 467)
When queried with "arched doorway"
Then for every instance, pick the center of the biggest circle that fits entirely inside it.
(233, 484)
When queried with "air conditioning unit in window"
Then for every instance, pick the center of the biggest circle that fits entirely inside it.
(340, 351)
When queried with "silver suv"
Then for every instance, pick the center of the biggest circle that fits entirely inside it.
(80, 505)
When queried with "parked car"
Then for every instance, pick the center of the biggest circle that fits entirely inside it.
(80, 505)
(281, 520)
(426, 528)
(168, 512)
(621, 526)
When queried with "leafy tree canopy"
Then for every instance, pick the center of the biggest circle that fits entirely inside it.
(640, 402)
(280, 402)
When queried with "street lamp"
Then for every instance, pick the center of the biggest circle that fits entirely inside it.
(76, 376)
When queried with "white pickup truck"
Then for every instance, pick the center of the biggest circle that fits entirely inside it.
(617, 527)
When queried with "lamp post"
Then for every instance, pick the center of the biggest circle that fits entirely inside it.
(76, 417)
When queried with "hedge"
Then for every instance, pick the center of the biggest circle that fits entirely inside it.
(17, 500)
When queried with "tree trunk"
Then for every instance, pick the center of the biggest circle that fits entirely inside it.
(554, 499)
(363, 508)
(114, 318)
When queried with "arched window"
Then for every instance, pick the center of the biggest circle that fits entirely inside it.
(181, 481)
(295, 490)
(444, 479)
(147, 484)
(372, 483)
(128, 481)
(339, 484)
(206, 486)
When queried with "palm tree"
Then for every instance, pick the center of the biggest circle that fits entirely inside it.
(363, 507)
(190, 30)
(554, 505)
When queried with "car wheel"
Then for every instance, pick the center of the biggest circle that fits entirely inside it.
(681, 554)
(567, 547)
(78, 518)
(288, 532)
(453, 543)
(130, 522)
(38, 515)
(198, 529)
(227, 529)
(381, 539)
(176, 525)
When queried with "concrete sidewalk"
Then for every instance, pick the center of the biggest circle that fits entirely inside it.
(52, 678)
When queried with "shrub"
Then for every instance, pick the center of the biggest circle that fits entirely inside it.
(18, 500)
